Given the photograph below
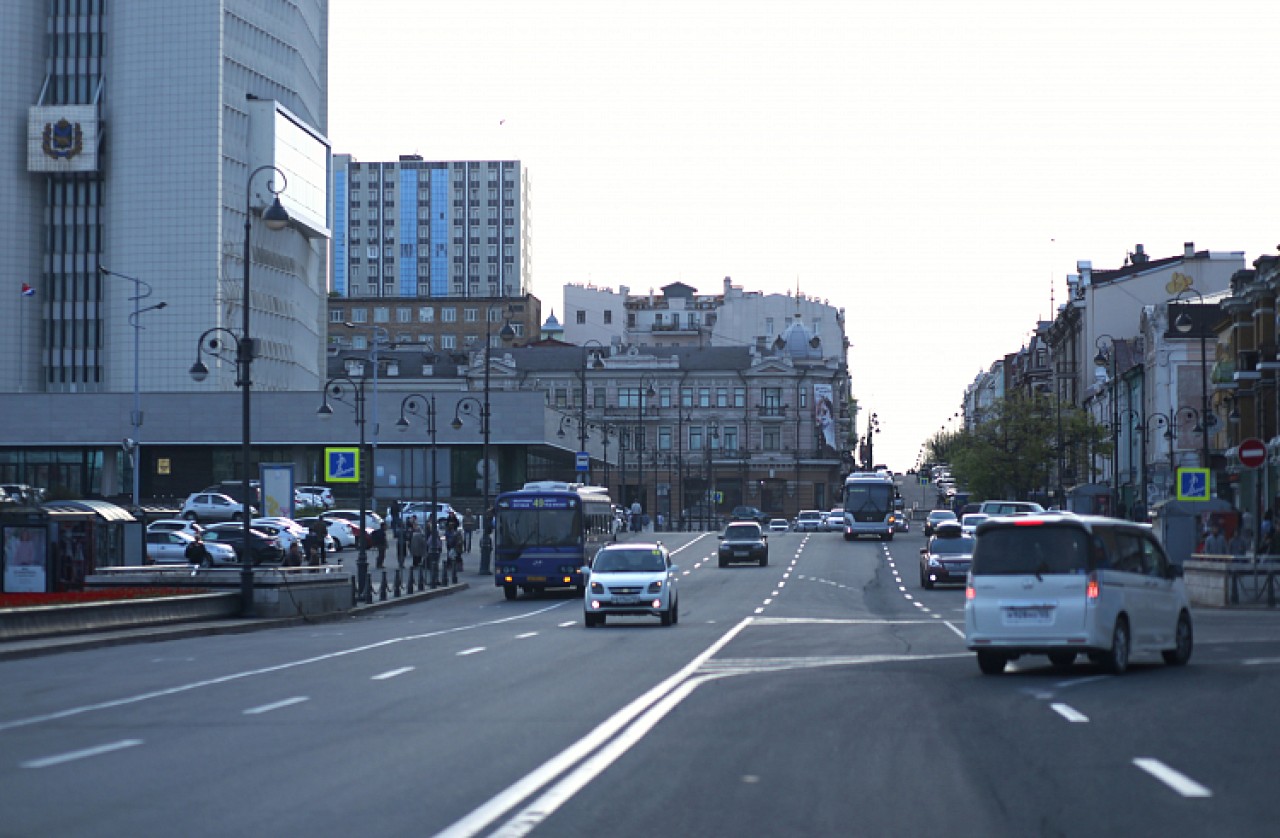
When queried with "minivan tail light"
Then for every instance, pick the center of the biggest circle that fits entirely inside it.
(969, 592)
(1026, 523)
(1092, 588)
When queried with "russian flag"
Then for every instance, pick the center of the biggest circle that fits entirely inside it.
(27, 290)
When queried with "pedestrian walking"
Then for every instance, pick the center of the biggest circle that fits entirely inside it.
(468, 527)
(380, 542)
(197, 553)
(453, 551)
(433, 552)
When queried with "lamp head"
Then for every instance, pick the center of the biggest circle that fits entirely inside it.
(276, 217)
(456, 424)
(1182, 323)
(402, 423)
(199, 371)
(325, 410)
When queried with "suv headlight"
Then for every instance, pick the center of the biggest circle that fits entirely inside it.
(655, 587)
(597, 588)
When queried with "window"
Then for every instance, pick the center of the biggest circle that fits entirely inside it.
(730, 435)
(804, 398)
(581, 317)
(597, 398)
(768, 325)
(359, 315)
(426, 314)
(471, 315)
(561, 397)
(335, 316)
(664, 438)
(381, 314)
(360, 342)
(686, 397)
(448, 342)
(664, 397)
(704, 397)
(695, 439)
(629, 397)
(772, 438)
(403, 315)
(449, 314)
(739, 396)
(772, 397)
(722, 397)
(608, 317)
(631, 319)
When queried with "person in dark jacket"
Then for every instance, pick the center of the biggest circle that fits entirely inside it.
(379, 540)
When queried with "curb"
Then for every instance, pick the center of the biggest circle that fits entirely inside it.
(40, 647)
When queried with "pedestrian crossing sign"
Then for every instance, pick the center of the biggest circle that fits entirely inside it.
(1193, 484)
(342, 465)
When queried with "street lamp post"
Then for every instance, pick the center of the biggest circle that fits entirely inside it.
(713, 433)
(582, 401)
(1184, 324)
(472, 406)
(409, 405)
(1101, 360)
(335, 387)
(642, 392)
(141, 290)
(276, 218)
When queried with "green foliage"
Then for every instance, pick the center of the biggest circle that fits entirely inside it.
(1012, 453)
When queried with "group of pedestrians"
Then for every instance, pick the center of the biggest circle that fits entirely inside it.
(425, 546)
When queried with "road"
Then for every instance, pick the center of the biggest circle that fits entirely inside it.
(825, 694)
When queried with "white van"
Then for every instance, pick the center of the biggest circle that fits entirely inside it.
(1063, 585)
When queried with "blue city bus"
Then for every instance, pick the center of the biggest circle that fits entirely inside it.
(546, 532)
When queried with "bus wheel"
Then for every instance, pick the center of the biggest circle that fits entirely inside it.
(509, 591)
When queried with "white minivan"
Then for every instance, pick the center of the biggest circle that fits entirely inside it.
(1064, 585)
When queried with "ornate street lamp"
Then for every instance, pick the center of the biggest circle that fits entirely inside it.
(336, 386)
(1184, 324)
(1101, 360)
(419, 405)
(276, 218)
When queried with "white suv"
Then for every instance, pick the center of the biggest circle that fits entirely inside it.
(213, 506)
(632, 579)
(1059, 585)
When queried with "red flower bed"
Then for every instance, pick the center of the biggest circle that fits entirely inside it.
(81, 597)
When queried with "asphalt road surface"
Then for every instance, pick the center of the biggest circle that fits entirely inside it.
(824, 694)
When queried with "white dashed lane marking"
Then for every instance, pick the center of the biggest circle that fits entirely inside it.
(393, 673)
(71, 756)
(277, 705)
(1175, 780)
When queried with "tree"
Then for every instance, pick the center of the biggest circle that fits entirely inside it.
(1013, 452)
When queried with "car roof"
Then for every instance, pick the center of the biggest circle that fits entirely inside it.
(1086, 522)
(633, 545)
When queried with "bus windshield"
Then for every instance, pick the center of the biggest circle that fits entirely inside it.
(533, 527)
(868, 497)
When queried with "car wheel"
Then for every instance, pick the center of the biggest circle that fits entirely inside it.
(665, 616)
(764, 560)
(509, 591)
(589, 620)
(926, 583)
(1183, 640)
(1062, 660)
(991, 663)
(724, 562)
(235, 516)
(675, 611)
(848, 537)
(1116, 659)
(889, 537)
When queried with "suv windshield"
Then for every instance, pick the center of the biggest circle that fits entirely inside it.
(942, 546)
(742, 533)
(628, 561)
(1031, 550)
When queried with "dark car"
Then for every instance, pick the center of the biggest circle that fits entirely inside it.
(749, 513)
(936, 517)
(744, 541)
(946, 559)
(265, 549)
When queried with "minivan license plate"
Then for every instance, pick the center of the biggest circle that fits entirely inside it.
(1028, 615)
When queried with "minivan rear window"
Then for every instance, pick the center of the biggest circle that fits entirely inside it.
(1031, 550)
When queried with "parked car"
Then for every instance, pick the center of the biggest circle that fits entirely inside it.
(423, 510)
(324, 493)
(213, 506)
(308, 500)
(810, 520)
(22, 493)
(169, 547)
(372, 520)
(749, 513)
(175, 525)
(285, 530)
(779, 525)
(744, 541)
(632, 579)
(264, 549)
(935, 517)
(1060, 585)
(945, 559)
(339, 533)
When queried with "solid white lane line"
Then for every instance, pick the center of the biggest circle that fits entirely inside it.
(267, 708)
(1259, 661)
(1069, 713)
(542, 776)
(471, 651)
(393, 673)
(58, 759)
(1175, 780)
(526, 634)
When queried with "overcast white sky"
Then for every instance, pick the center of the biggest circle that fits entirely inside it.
(935, 167)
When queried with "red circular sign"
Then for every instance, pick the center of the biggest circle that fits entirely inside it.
(1252, 452)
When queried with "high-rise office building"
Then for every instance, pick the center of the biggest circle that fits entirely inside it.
(416, 228)
(145, 122)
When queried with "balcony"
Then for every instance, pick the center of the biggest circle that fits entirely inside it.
(775, 412)
(675, 328)
(1246, 367)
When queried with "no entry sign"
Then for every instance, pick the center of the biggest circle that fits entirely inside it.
(1252, 453)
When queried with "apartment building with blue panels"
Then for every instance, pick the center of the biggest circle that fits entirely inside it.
(413, 228)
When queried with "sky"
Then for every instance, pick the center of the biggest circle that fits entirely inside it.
(934, 167)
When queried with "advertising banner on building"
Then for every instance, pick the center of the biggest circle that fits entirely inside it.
(25, 567)
(824, 415)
